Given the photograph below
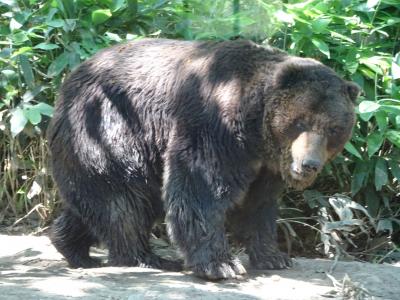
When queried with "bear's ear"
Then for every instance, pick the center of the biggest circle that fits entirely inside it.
(287, 74)
(352, 90)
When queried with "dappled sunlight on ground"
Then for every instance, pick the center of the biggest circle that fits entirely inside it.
(30, 268)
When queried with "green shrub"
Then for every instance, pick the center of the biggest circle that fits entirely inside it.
(360, 40)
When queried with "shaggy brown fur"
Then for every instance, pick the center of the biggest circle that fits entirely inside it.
(206, 134)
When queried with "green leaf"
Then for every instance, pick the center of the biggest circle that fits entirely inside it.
(46, 46)
(69, 25)
(315, 199)
(351, 60)
(374, 142)
(322, 7)
(116, 5)
(372, 200)
(351, 64)
(395, 70)
(390, 101)
(394, 137)
(350, 148)
(22, 16)
(319, 25)
(340, 206)
(246, 21)
(9, 74)
(44, 109)
(322, 46)
(9, 2)
(17, 121)
(372, 3)
(6, 52)
(378, 64)
(73, 60)
(32, 93)
(130, 37)
(391, 2)
(341, 37)
(368, 107)
(359, 176)
(113, 36)
(385, 225)
(284, 17)
(100, 16)
(60, 5)
(69, 7)
(381, 120)
(364, 8)
(14, 24)
(367, 72)
(375, 68)
(26, 70)
(58, 65)
(33, 115)
(21, 50)
(32, 35)
(381, 174)
(395, 168)
(342, 225)
(56, 23)
(51, 14)
(366, 116)
(19, 37)
(133, 7)
(391, 108)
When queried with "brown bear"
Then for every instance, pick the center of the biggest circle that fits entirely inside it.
(202, 134)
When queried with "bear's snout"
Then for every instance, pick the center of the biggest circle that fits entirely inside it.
(308, 152)
(305, 169)
(311, 165)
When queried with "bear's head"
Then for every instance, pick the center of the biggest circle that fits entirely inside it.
(311, 117)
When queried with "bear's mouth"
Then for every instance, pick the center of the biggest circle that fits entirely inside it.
(298, 172)
(301, 178)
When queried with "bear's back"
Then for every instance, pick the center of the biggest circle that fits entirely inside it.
(139, 90)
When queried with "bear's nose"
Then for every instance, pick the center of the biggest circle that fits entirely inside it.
(311, 165)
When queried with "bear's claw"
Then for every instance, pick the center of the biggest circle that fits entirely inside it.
(220, 270)
(272, 262)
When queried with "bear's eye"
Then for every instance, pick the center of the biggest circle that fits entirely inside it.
(300, 125)
(334, 131)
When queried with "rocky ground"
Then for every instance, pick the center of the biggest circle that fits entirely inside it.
(30, 268)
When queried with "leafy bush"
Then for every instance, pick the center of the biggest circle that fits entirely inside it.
(360, 41)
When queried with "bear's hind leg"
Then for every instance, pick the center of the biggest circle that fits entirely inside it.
(73, 240)
(128, 231)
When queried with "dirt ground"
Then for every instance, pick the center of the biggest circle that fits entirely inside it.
(30, 268)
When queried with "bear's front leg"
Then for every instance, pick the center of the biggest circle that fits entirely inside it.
(196, 199)
(253, 224)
